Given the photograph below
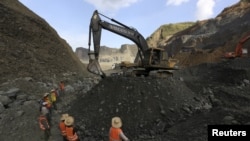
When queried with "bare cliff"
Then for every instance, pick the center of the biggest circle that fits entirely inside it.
(109, 56)
(165, 32)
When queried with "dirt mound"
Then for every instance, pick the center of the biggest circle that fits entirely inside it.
(147, 106)
(154, 109)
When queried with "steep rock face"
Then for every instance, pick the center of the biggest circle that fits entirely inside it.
(164, 32)
(109, 56)
(113, 55)
(207, 40)
(29, 47)
(82, 53)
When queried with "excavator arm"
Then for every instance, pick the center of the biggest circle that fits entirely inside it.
(238, 49)
(95, 29)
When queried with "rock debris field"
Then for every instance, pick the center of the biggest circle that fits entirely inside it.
(174, 109)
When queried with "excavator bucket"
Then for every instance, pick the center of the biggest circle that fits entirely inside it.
(95, 68)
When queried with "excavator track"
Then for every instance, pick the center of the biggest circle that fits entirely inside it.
(161, 74)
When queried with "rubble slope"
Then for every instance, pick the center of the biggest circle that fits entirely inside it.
(33, 59)
(29, 47)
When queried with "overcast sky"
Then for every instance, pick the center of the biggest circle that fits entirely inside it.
(70, 18)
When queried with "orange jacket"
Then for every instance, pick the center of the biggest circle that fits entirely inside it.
(71, 134)
(62, 127)
(43, 122)
(114, 134)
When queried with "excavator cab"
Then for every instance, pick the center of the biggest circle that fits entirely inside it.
(159, 58)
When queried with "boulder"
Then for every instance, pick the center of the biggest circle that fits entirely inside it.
(5, 100)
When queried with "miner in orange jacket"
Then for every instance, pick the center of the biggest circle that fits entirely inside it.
(44, 126)
(115, 132)
(70, 131)
(62, 126)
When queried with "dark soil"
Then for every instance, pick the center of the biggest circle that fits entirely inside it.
(178, 108)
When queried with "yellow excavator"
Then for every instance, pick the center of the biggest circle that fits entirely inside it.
(148, 60)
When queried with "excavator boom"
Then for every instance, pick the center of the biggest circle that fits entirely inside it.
(95, 29)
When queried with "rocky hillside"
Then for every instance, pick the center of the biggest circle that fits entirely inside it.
(208, 40)
(33, 59)
(164, 32)
(29, 47)
(109, 56)
(82, 53)
(113, 55)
